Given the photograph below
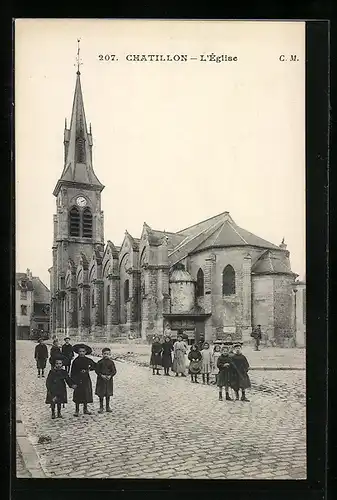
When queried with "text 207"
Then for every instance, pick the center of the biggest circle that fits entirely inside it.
(107, 57)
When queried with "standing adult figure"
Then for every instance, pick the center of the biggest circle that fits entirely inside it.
(41, 356)
(257, 335)
(179, 353)
(55, 352)
(167, 355)
(156, 352)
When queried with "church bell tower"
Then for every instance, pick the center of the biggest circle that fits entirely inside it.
(78, 223)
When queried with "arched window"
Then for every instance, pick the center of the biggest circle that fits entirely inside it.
(93, 298)
(80, 300)
(126, 290)
(74, 222)
(200, 283)
(228, 281)
(87, 223)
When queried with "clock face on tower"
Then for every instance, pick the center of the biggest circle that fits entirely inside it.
(81, 201)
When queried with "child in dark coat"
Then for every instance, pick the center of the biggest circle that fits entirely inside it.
(41, 356)
(195, 358)
(55, 352)
(80, 374)
(240, 374)
(106, 370)
(225, 375)
(156, 351)
(56, 387)
(68, 353)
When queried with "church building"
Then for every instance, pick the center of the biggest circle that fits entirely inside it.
(210, 279)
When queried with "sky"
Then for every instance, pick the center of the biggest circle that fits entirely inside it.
(175, 142)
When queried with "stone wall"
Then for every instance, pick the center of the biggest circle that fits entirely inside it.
(182, 297)
(263, 305)
(228, 312)
(284, 327)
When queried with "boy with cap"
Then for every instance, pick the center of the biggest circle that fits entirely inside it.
(55, 352)
(106, 370)
(41, 356)
(80, 374)
(56, 386)
(68, 353)
(240, 379)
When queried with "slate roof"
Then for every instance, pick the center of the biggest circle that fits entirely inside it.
(156, 237)
(270, 263)
(201, 226)
(180, 275)
(41, 292)
(134, 242)
(218, 231)
(229, 234)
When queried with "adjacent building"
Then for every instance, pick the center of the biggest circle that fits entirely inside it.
(211, 279)
(32, 306)
(300, 313)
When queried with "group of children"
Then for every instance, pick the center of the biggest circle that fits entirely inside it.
(226, 364)
(76, 374)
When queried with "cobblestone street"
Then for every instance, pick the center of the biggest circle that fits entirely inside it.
(165, 427)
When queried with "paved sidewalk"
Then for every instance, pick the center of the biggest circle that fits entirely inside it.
(166, 427)
(21, 471)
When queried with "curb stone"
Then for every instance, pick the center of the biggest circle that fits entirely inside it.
(28, 452)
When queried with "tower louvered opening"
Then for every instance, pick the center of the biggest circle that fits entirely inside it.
(74, 222)
(80, 149)
(87, 223)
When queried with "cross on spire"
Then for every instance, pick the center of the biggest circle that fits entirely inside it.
(78, 59)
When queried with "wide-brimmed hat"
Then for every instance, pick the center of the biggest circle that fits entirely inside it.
(76, 348)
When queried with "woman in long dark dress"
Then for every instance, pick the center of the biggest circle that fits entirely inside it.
(156, 351)
(80, 374)
(41, 356)
(167, 355)
(195, 358)
(56, 387)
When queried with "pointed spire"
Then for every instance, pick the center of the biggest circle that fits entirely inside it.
(78, 159)
(78, 59)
